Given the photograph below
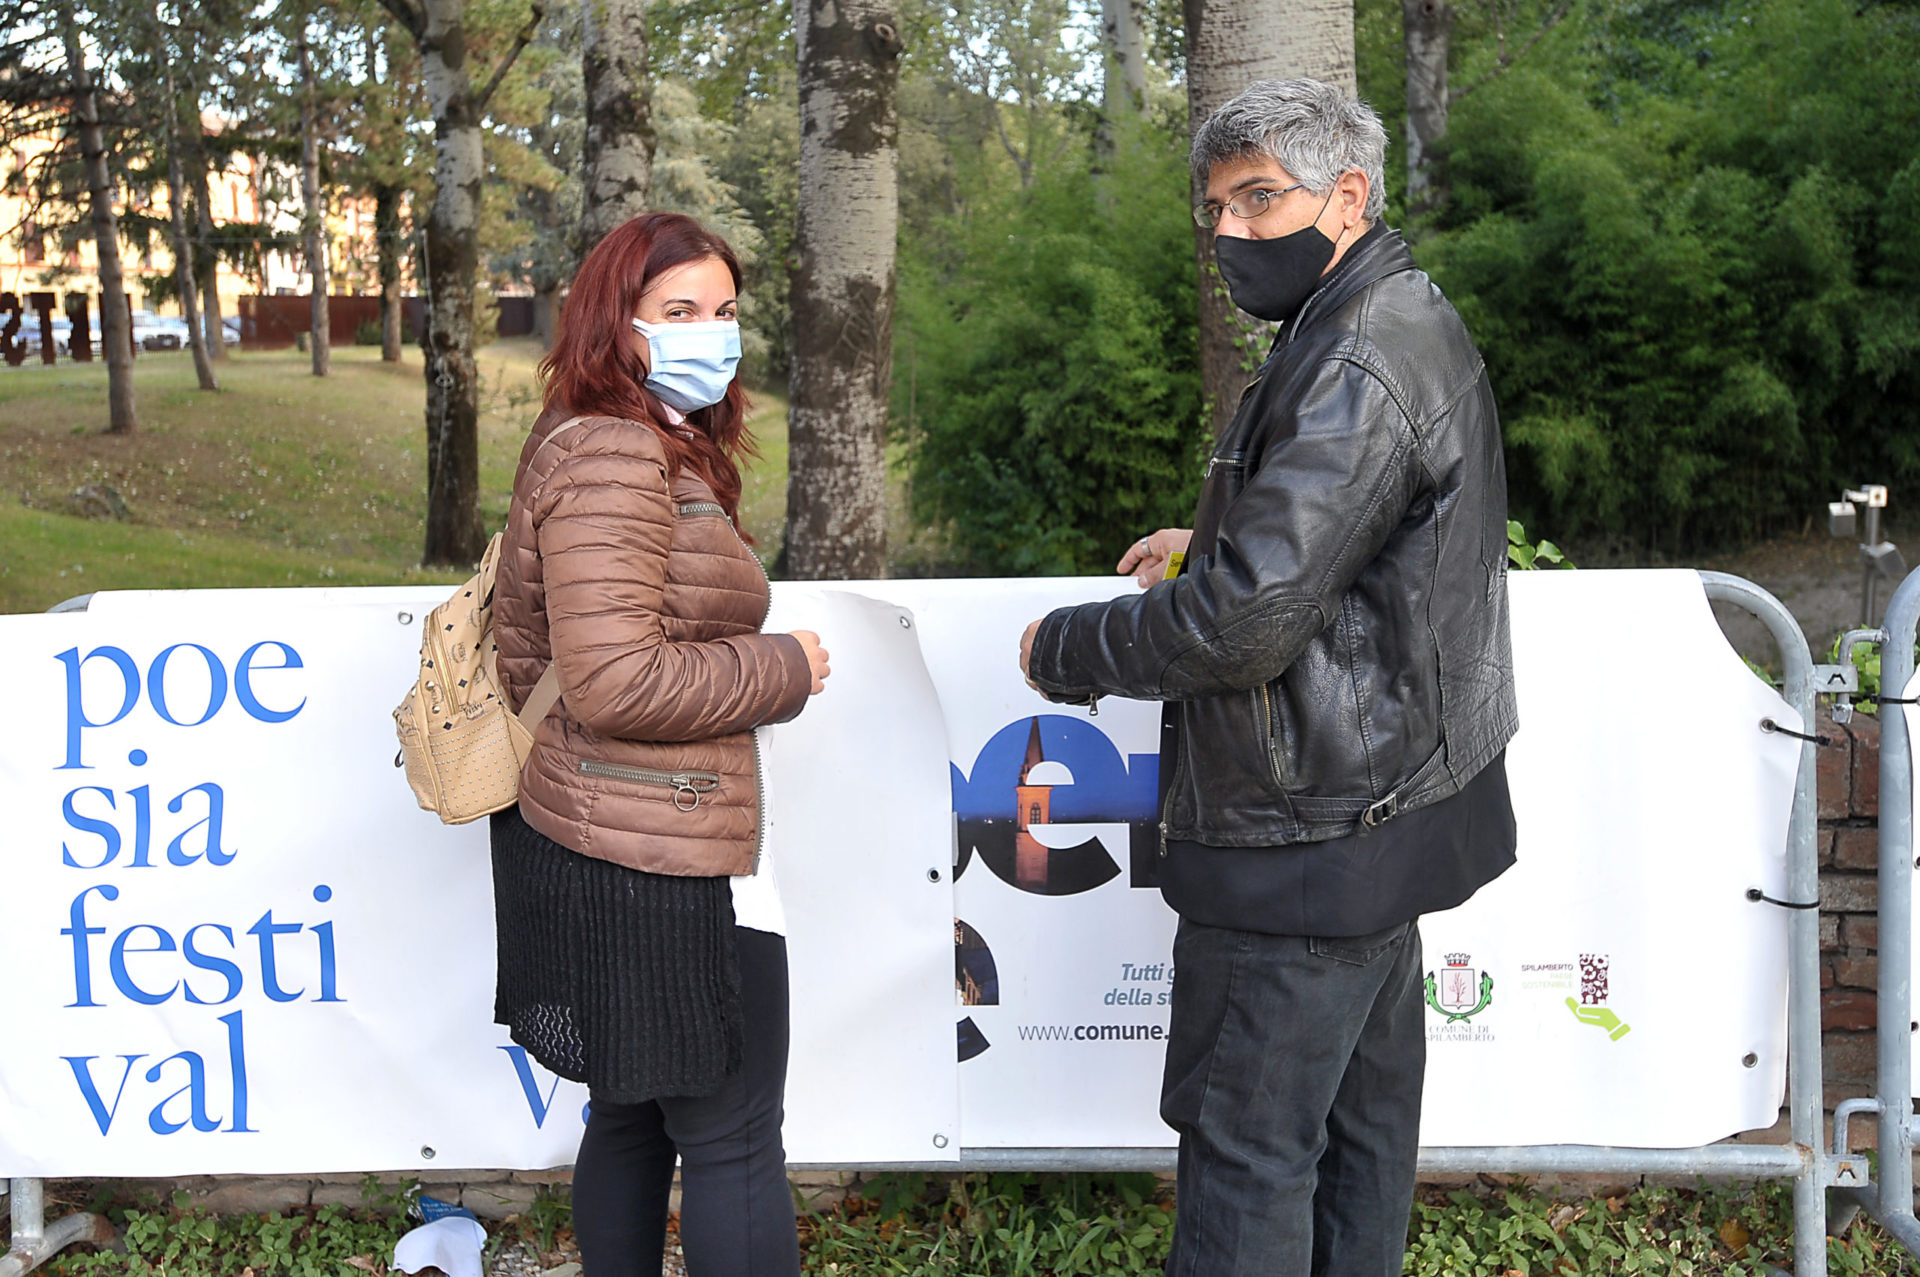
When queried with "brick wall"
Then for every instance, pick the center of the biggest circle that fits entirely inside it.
(1849, 900)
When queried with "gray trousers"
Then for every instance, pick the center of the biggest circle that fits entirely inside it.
(1293, 1077)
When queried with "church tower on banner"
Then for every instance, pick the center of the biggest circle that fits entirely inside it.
(1031, 807)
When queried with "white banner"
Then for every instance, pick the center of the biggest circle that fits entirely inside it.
(234, 944)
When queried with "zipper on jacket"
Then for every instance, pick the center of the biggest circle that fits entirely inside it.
(1173, 788)
(760, 799)
(687, 786)
(1273, 746)
(1232, 458)
(694, 509)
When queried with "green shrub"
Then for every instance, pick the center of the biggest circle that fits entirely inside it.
(1046, 365)
(1692, 274)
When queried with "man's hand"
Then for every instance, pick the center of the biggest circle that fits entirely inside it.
(1147, 557)
(1026, 653)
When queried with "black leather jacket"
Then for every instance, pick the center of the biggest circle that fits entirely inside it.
(1338, 641)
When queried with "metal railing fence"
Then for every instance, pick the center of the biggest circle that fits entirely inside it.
(1890, 1198)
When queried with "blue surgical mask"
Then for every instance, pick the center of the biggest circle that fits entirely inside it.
(691, 365)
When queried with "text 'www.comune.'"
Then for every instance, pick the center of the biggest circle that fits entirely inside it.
(1093, 1033)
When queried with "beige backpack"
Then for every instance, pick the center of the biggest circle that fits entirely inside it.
(461, 746)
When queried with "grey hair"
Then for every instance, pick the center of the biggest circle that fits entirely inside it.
(1312, 128)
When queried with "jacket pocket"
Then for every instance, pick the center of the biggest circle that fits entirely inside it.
(1267, 732)
(688, 786)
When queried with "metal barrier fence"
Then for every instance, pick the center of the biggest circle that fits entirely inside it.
(1890, 1200)
(1802, 1159)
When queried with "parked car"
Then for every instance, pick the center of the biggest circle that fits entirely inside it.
(154, 332)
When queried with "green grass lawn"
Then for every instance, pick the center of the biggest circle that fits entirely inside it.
(280, 478)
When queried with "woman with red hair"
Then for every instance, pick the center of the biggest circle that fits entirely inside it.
(641, 946)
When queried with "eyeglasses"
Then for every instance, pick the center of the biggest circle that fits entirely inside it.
(1246, 206)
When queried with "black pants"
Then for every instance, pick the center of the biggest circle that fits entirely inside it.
(736, 1211)
(1294, 1070)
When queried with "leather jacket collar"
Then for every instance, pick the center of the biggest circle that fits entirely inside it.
(1380, 252)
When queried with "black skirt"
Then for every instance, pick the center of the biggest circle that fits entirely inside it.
(627, 981)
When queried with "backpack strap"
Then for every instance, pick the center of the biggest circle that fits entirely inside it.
(547, 691)
(541, 698)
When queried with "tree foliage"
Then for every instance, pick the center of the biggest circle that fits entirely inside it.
(1047, 372)
(1686, 247)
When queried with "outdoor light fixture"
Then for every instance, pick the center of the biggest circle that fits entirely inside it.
(1878, 559)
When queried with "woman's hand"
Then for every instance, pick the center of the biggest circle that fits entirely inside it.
(1147, 557)
(816, 659)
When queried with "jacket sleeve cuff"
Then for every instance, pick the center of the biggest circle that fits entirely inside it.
(1046, 664)
(796, 678)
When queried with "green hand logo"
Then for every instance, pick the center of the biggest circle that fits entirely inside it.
(1601, 1018)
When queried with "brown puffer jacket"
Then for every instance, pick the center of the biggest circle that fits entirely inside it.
(640, 588)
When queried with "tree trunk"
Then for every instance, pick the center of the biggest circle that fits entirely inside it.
(1427, 29)
(116, 322)
(454, 535)
(1125, 87)
(207, 266)
(183, 246)
(545, 308)
(1231, 44)
(1123, 91)
(386, 231)
(849, 215)
(620, 139)
(206, 262)
(315, 217)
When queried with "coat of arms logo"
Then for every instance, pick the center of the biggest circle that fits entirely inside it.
(1458, 990)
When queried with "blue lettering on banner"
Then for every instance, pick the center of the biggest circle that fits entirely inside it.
(243, 682)
(155, 686)
(150, 964)
(178, 853)
(105, 830)
(82, 1066)
(77, 928)
(117, 964)
(991, 820)
(197, 1090)
(208, 962)
(128, 942)
(267, 930)
(77, 720)
(536, 1103)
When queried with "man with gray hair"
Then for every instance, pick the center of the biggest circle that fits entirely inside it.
(1335, 656)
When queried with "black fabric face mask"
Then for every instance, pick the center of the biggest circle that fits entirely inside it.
(1272, 278)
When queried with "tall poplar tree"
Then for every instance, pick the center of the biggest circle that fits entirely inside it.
(116, 321)
(620, 137)
(1427, 40)
(1231, 44)
(313, 217)
(439, 30)
(843, 289)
